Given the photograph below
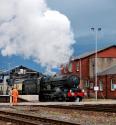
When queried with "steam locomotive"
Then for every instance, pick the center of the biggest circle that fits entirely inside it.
(57, 88)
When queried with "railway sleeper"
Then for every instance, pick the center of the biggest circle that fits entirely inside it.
(19, 121)
(25, 119)
(89, 108)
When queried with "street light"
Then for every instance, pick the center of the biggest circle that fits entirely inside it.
(96, 39)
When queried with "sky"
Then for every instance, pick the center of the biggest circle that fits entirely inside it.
(63, 27)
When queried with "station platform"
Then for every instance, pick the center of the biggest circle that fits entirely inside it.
(84, 102)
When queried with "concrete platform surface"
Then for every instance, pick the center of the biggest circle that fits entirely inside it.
(86, 101)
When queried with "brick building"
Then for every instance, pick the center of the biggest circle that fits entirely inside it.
(84, 66)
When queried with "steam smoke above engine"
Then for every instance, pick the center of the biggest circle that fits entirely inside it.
(32, 30)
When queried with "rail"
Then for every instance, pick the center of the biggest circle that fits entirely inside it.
(25, 119)
(99, 108)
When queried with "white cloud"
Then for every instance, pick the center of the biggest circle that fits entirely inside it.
(30, 29)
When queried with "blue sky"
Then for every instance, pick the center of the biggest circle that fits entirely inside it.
(83, 14)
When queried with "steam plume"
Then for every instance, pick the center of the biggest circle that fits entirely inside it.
(30, 29)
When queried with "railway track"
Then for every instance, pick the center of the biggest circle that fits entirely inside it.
(98, 108)
(26, 119)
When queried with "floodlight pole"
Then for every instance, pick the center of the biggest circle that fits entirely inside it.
(80, 70)
(96, 56)
(96, 64)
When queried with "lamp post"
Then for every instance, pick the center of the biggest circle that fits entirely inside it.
(96, 69)
(80, 69)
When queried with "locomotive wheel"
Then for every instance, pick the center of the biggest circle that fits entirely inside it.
(71, 99)
(61, 99)
(58, 99)
(78, 99)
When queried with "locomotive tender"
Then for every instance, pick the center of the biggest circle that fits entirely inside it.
(57, 88)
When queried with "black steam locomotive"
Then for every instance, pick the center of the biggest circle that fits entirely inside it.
(57, 88)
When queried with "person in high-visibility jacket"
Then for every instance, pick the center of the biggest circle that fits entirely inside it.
(14, 96)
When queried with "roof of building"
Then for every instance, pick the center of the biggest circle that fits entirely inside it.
(92, 52)
(19, 67)
(109, 71)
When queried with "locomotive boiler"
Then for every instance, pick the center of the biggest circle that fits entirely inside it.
(60, 88)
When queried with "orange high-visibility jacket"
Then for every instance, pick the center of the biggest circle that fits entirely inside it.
(14, 93)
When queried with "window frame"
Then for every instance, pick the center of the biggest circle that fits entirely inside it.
(111, 84)
(70, 65)
(77, 67)
(101, 88)
(91, 85)
(87, 83)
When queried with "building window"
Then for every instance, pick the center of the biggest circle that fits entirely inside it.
(109, 60)
(22, 71)
(70, 67)
(77, 67)
(113, 85)
(87, 84)
(91, 85)
(100, 85)
(65, 68)
(0, 88)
